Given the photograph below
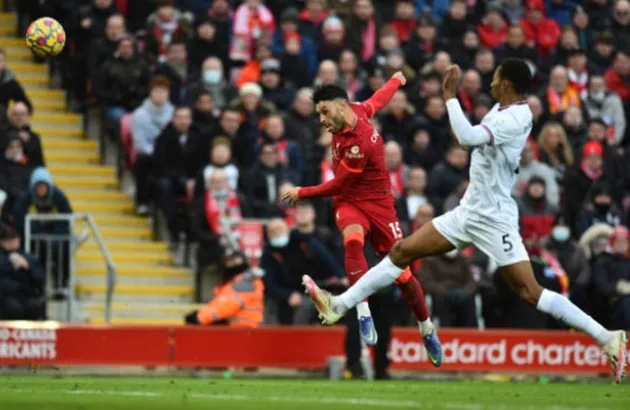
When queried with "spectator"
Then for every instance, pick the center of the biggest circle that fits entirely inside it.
(333, 39)
(515, 46)
(404, 22)
(492, 28)
(349, 68)
(602, 53)
(561, 11)
(617, 76)
(536, 214)
(220, 159)
(122, 82)
(148, 121)
(207, 42)
(289, 27)
(289, 152)
(312, 17)
(250, 73)
(105, 48)
(612, 277)
(540, 32)
(176, 159)
(530, 166)
(328, 73)
(212, 80)
(216, 219)
(22, 280)
(205, 115)
(251, 105)
(294, 67)
(554, 147)
(362, 29)
(578, 71)
(465, 50)
(559, 96)
(15, 168)
(284, 261)
(513, 10)
(165, 26)
(301, 124)
(44, 197)
(448, 279)
(621, 23)
(485, 66)
(263, 182)
(242, 136)
(10, 88)
(397, 170)
(20, 124)
(175, 69)
(573, 260)
(469, 91)
(253, 22)
(449, 174)
(419, 151)
(600, 208)
(414, 196)
(437, 125)
(602, 103)
(455, 24)
(305, 224)
(453, 200)
(579, 179)
(539, 116)
(481, 107)
(398, 123)
(423, 43)
(574, 126)
(222, 17)
(238, 301)
(272, 87)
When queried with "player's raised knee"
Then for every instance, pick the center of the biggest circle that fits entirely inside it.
(400, 254)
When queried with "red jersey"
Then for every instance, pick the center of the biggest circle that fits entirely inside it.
(358, 156)
(361, 150)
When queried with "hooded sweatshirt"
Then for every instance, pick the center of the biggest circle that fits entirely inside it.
(147, 123)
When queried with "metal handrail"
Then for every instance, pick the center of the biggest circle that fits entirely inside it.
(110, 279)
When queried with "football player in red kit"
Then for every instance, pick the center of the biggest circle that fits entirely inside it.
(362, 197)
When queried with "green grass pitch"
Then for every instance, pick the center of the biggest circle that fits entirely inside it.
(87, 393)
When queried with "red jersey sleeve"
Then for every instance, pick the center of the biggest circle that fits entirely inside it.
(380, 98)
(344, 177)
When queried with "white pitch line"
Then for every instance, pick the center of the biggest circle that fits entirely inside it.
(339, 400)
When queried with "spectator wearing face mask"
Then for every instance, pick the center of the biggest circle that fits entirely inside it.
(573, 260)
(612, 277)
(220, 159)
(22, 280)
(148, 121)
(238, 300)
(448, 279)
(285, 259)
(216, 216)
(211, 79)
(600, 208)
(602, 103)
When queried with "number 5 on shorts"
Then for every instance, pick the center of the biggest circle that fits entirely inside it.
(396, 231)
(507, 245)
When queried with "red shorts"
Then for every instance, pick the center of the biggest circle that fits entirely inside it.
(378, 219)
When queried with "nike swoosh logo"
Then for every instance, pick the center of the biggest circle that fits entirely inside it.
(355, 272)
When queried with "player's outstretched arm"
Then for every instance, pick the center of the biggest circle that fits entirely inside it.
(465, 133)
(383, 95)
(343, 179)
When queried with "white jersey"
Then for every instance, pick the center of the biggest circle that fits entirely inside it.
(494, 166)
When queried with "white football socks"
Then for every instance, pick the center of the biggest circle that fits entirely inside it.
(363, 309)
(563, 309)
(380, 276)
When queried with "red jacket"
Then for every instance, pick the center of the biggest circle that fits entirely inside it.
(544, 35)
(615, 83)
(490, 38)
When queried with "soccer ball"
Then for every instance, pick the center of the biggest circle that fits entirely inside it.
(45, 37)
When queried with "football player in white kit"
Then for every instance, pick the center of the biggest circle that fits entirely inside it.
(487, 215)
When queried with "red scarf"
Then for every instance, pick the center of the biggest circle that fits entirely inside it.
(159, 35)
(561, 275)
(396, 178)
(306, 15)
(369, 40)
(467, 103)
(232, 212)
(560, 102)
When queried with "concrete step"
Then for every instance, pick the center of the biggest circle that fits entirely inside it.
(134, 270)
(18, 54)
(51, 117)
(24, 67)
(34, 80)
(50, 105)
(98, 195)
(46, 94)
(70, 144)
(119, 257)
(79, 181)
(113, 232)
(103, 220)
(169, 291)
(84, 156)
(47, 131)
(65, 169)
(129, 245)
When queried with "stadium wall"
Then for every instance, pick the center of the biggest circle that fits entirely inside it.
(508, 351)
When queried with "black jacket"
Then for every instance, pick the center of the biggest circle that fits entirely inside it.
(32, 148)
(610, 269)
(255, 185)
(177, 161)
(178, 83)
(444, 180)
(21, 291)
(11, 91)
(123, 82)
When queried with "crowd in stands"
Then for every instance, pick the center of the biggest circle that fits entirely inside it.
(216, 95)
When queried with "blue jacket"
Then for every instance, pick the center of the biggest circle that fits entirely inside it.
(55, 203)
(561, 13)
(307, 50)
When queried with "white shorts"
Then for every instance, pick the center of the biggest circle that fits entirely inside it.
(500, 241)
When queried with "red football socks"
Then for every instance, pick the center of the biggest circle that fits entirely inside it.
(355, 262)
(412, 294)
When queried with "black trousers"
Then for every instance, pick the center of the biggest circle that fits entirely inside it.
(166, 192)
(142, 173)
(621, 315)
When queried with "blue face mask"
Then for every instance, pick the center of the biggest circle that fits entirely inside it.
(279, 241)
(212, 77)
(560, 233)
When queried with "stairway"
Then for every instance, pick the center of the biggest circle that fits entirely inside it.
(149, 289)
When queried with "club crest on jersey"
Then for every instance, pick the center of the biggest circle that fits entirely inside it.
(354, 152)
(335, 151)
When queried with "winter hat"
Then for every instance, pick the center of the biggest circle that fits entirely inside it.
(592, 148)
(250, 88)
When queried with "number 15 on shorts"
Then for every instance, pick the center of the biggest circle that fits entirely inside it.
(396, 231)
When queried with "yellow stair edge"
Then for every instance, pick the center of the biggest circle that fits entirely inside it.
(69, 144)
(105, 195)
(24, 67)
(46, 131)
(140, 258)
(88, 268)
(56, 118)
(44, 93)
(144, 290)
(126, 220)
(139, 246)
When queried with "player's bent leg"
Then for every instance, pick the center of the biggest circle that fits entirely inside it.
(356, 266)
(520, 277)
(426, 241)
